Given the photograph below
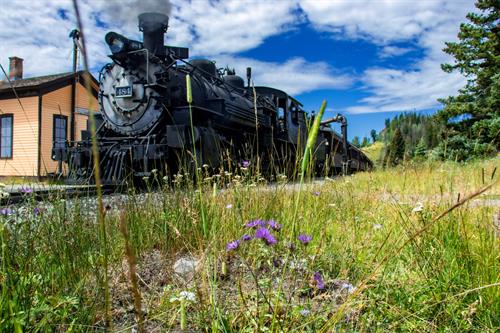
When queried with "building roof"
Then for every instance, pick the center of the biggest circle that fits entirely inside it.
(39, 85)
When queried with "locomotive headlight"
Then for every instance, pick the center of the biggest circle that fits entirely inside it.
(117, 46)
(117, 43)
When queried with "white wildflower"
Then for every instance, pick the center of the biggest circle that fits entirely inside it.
(377, 226)
(418, 208)
(305, 312)
(229, 206)
(183, 296)
(348, 287)
(187, 296)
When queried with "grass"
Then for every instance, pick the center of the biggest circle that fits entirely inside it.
(373, 151)
(377, 275)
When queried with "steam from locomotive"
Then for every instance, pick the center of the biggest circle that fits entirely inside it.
(145, 122)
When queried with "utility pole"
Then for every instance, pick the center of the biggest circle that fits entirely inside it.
(75, 35)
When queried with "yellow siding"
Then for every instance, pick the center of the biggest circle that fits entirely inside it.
(24, 160)
(57, 102)
(82, 102)
(80, 125)
(82, 98)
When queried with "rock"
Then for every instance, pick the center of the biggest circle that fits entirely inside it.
(186, 267)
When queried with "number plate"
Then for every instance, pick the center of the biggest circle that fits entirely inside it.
(123, 91)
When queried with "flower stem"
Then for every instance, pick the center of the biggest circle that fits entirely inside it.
(183, 315)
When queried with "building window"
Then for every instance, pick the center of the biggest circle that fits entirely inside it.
(60, 131)
(6, 122)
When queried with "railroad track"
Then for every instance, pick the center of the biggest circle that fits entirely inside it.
(14, 197)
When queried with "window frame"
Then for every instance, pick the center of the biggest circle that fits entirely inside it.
(11, 155)
(54, 120)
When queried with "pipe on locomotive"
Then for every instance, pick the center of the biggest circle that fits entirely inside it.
(346, 154)
(153, 27)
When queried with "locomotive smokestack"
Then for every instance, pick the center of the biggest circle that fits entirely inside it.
(153, 26)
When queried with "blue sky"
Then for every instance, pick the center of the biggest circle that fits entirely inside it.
(369, 59)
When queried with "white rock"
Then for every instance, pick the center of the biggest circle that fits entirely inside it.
(186, 265)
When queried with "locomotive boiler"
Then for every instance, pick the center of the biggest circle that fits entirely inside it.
(145, 124)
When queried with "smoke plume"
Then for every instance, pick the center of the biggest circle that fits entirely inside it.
(126, 11)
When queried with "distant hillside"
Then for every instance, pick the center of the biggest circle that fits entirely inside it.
(373, 151)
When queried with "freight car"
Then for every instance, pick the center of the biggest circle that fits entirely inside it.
(146, 124)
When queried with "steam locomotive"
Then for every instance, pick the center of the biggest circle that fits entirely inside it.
(146, 125)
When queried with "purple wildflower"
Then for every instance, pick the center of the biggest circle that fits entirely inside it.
(6, 211)
(246, 238)
(263, 233)
(255, 223)
(317, 193)
(37, 210)
(305, 239)
(233, 245)
(245, 164)
(26, 190)
(274, 225)
(318, 280)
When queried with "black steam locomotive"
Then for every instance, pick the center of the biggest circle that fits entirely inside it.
(146, 125)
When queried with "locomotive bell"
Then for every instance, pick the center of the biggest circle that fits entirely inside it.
(153, 26)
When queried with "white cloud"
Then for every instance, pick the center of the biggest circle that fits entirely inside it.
(427, 24)
(295, 76)
(234, 26)
(378, 21)
(393, 51)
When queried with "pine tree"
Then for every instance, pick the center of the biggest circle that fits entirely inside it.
(420, 149)
(373, 134)
(365, 142)
(477, 58)
(355, 141)
(396, 149)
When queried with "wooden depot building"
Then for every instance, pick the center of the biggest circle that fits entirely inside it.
(37, 113)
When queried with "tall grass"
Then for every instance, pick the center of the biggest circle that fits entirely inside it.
(96, 168)
(365, 233)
